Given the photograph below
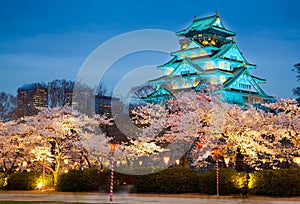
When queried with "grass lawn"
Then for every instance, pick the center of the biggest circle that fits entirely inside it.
(33, 202)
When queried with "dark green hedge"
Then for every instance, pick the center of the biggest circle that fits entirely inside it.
(230, 182)
(280, 182)
(26, 181)
(91, 180)
(171, 180)
(3, 177)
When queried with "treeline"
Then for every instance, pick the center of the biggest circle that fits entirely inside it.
(57, 93)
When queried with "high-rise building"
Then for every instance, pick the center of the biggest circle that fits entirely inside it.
(31, 96)
(209, 55)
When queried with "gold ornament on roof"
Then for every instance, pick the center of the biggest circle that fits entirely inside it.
(212, 42)
(204, 42)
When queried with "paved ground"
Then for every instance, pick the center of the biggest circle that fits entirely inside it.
(139, 198)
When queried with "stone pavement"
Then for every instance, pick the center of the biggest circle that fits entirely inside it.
(139, 198)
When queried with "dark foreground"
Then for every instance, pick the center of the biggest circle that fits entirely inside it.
(36, 197)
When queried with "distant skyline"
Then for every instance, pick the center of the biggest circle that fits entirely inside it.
(45, 40)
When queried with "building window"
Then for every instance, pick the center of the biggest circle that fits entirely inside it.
(202, 53)
(174, 86)
(210, 65)
(244, 86)
(214, 81)
(185, 72)
(228, 66)
(185, 84)
(222, 78)
(221, 65)
(193, 55)
(169, 71)
(233, 57)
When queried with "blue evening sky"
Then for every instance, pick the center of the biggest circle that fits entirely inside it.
(50, 39)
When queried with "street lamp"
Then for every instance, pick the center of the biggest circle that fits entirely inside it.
(113, 147)
(216, 153)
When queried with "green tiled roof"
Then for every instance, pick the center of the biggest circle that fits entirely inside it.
(205, 24)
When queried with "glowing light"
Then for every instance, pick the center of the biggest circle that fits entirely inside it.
(113, 147)
(141, 162)
(222, 78)
(169, 71)
(177, 162)
(297, 160)
(106, 163)
(166, 159)
(66, 171)
(193, 55)
(264, 160)
(281, 159)
(39, 185)
(227, 159)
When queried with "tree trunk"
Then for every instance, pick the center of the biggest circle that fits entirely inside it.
(185, 161)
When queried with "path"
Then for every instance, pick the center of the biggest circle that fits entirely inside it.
(138, 198)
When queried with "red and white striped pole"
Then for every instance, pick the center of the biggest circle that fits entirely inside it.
(217, 153)
(217, 175)
(113, 147)
(111, 188)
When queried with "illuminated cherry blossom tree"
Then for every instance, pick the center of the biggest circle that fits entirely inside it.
(56, 139)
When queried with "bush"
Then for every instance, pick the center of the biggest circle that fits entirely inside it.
(27, 180)
(171, 180)
(91, 180)
(78, 180)
(230, 182)
(281, 182)
(3, 180)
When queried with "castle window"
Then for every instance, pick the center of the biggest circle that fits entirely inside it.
(222, 78)
(210, 65)
(227, 66)
(233, 57)
(185, 72)
(244, 86)
(214, 81)
(169, 71)
(221, 65)
(193, 55)
(202, 53)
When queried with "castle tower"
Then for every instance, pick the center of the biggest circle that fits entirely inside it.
(209, 55)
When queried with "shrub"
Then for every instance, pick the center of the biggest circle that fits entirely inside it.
(27, 180)
(3, 180)
(171, 180)
(91, 180)
(280, 182)
(78, 180)
(230, 182)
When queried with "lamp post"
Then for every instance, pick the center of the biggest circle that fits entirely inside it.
(43, 186)
(216, 153)
(113, 147)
